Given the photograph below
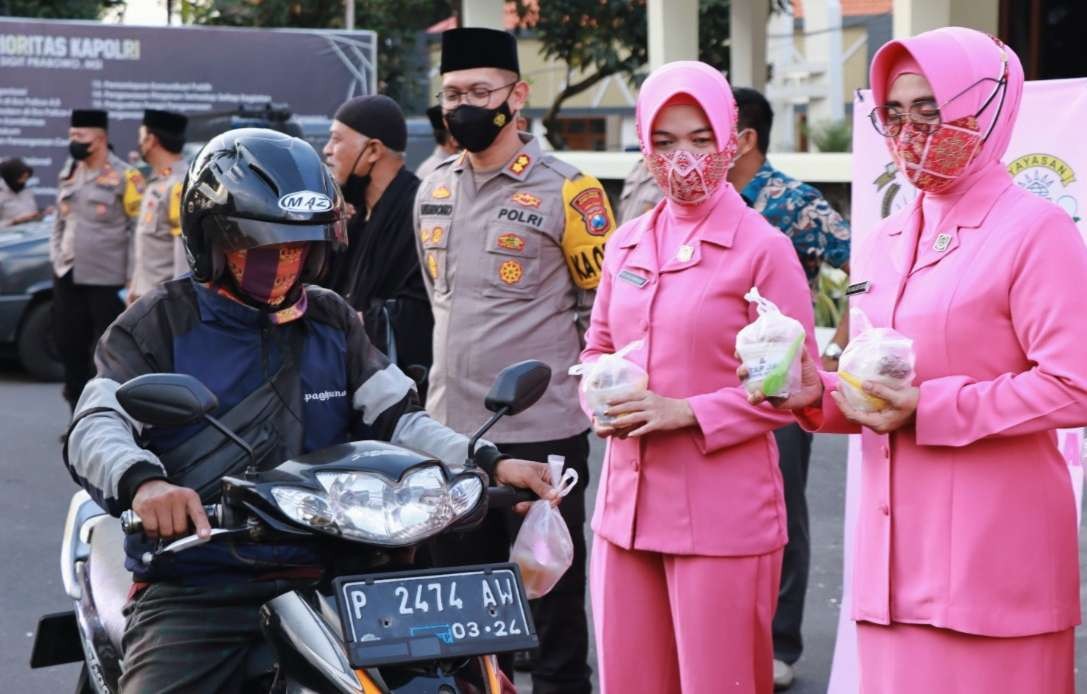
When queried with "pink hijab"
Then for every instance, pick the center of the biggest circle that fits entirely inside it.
(952, 59)
(694, 79)
(687, 81)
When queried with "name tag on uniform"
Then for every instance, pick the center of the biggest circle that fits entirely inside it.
(634, 278)
(858, 288)
(443, 210)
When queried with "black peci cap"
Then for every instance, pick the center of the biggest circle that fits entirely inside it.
(376, 116)
(165, 121)
(90, 118)
(472, 47)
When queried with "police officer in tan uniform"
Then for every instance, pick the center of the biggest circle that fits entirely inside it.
(640, 193)
(159, 253)
(98, 197)
(511, 241)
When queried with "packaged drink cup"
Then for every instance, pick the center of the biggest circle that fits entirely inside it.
(770, 349)
(611, 377)
(882, 355)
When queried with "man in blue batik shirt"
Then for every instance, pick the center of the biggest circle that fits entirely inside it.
(820, 235)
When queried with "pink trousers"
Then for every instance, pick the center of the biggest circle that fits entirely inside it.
(915, 659)
(670, 623)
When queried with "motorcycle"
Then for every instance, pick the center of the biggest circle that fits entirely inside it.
(374, 623)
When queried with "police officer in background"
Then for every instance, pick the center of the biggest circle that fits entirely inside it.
(511, 241)
(159, 253)
(98, 198)
(445, 144)
(640, 193)
(17, 204)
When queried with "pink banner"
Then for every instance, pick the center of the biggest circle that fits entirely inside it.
(1044, 158)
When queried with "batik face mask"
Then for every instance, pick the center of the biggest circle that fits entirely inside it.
(688, 178)
(267, 274)
(933, 160)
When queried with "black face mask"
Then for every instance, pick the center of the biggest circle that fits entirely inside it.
(354, 188)
(17, 187)
(79, 150)
(477, 128)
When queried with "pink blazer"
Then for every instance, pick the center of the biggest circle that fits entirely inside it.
(714, 489)
(967, 519)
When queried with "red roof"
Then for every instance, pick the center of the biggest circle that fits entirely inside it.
(852, 8)
(511, 21)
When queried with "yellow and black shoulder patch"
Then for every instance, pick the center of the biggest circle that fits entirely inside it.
(133, 193)
(589, 223)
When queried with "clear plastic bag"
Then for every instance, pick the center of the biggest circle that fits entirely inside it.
(883, 355)
(770, 349)
(543, 549)
(610, 377)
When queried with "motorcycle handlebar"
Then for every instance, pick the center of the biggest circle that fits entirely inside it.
(508, 497)
(131, 524)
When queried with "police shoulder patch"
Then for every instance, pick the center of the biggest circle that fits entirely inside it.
(589, 223)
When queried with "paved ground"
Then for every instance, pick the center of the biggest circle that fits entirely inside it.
(34, 492)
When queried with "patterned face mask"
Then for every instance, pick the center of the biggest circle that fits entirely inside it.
(267, 274)
(933, 160)
(688, 178)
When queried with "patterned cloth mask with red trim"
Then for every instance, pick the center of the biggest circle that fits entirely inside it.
(688, 178)
(267, 274)
(933, 160)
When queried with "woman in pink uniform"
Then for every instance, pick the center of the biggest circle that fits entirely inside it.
(690, 518)
(966, 573)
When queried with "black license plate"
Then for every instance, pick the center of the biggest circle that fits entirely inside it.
(434, 614)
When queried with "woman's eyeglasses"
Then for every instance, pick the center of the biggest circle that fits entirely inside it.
(924, 115)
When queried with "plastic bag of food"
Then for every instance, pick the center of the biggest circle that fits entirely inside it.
(610, 377)
(543, 549)
(883, 355)
(770, 349)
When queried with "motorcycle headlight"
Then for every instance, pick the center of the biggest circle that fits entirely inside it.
(370, 508)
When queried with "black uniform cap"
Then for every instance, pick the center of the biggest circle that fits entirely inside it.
(376, 116)
(165, 121)
(472, 47)
(90, 118)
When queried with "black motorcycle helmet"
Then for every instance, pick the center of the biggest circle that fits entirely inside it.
(255, 187)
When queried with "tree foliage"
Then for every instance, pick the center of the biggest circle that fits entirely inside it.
(57, 9)
(600, 38)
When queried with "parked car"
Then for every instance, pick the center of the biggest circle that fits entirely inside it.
(26, 299)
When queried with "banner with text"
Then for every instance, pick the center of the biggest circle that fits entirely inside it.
(48, 68)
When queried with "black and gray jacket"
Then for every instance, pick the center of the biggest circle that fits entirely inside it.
(296, 387)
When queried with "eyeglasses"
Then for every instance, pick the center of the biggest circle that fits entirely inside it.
(925, 115)
(476, 96)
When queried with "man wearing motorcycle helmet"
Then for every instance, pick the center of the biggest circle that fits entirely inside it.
(293, 372)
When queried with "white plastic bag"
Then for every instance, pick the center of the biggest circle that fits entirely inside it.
(543, 548)
(883, 355)
(610, 377)
(770, 349)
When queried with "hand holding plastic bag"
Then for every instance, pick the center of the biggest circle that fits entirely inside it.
(883, 355)
(543, 548)
(611, 377)
(770, 349)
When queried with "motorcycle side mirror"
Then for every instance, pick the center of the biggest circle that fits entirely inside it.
(518, 387)
(174, 400)
(166, 400)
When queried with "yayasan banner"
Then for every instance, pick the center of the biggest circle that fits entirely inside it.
(48, 68)
(1046, 158)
